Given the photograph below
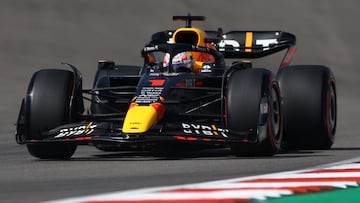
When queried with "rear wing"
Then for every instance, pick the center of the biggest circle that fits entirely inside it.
(243, 44)
(251, 44)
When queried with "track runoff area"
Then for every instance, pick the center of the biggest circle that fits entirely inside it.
(337, 182)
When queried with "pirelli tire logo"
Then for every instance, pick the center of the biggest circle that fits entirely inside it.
(77, 131)
(205, 130)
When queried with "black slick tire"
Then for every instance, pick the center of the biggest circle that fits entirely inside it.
(309, 106)
(254, 109)
(47, 106)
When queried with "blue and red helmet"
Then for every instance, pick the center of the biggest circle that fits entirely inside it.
(182, 62)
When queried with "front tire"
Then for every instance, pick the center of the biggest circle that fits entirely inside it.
(254, 108)
(48, 105)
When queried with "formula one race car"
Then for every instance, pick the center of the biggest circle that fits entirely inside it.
(185, 95)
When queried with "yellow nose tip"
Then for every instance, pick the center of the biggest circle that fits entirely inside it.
(139, 119)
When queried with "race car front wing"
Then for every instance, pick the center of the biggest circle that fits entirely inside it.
(97, 132)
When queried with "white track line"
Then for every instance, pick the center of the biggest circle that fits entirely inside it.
(239, 188)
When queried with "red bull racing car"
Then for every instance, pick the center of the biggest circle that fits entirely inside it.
(185, 95)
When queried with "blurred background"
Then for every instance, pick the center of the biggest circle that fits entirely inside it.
(41, 34)
(37, 34)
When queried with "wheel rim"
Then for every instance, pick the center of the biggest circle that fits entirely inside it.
(275, 114)
(332, 110)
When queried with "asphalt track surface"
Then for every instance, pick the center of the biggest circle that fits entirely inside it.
(36, 34)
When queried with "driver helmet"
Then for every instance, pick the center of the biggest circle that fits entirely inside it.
(182, 62)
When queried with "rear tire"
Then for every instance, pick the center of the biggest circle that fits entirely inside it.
(254, 109)
(47, 106)
(309, 96)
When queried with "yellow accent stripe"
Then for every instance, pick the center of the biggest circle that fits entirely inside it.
(248, 41)
(87, 127)
(213, 127)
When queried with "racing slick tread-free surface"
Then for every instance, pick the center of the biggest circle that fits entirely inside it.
(244, 114)
(48, 106)
(309, 106)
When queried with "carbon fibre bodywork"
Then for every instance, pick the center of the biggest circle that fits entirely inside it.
(194, 105)
(132, 107)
